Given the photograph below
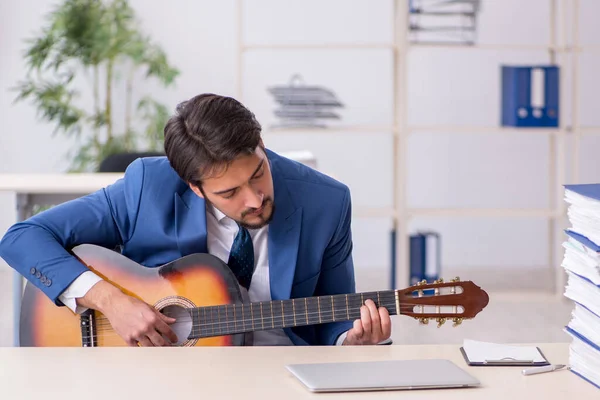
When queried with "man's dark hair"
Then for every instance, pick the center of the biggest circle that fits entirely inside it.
(207, 133)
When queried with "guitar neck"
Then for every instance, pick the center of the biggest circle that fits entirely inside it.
(239, 318)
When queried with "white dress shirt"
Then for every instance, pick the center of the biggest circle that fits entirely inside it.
(221, 231)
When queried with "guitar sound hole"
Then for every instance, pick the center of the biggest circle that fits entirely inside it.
(183, 322)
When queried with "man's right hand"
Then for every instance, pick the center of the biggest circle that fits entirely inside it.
(132, 319)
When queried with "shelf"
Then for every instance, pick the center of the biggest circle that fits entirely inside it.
(381, 212)
(317, 46)
(486, 46)
(483, 129)
(438, 45)
(427, 128)
(483, 212)
(590, 130)
(332, 129)
(590, 48)
(586, 48)
(402, 43)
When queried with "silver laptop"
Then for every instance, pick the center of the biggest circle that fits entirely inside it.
(382, 375)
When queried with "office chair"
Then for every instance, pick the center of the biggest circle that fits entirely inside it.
(120, 161)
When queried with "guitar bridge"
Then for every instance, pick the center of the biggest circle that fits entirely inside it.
(88, 329)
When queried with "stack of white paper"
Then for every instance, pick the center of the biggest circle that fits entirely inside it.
(582, 264)
(584, 214)
(585, 361)
(586, 323)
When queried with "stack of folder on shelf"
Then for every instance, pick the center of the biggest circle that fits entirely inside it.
(582, 264)
(304, 105)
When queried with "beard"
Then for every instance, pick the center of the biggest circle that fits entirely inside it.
(266, 217)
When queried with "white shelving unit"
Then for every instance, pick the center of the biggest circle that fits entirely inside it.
(401, 215)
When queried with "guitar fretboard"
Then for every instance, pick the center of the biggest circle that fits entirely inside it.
(239, 318)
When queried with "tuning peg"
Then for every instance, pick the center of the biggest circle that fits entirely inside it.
(423, 320)
(441, 321)
(457, 321)
(423, 282)
(457, 279)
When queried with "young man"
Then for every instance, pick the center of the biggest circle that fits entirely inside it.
(283, 228)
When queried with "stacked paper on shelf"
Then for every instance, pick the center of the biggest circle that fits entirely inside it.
(582, 264)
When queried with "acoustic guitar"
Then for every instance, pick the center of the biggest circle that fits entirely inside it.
(211, 309)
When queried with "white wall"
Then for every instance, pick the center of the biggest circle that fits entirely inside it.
(446, 86)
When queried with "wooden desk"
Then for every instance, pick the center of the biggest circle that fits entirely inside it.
(251, 373)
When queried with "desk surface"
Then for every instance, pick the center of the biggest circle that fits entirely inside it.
(250, 373)
(56, 183)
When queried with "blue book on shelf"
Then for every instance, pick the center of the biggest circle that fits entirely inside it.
(417, 258)
(425, 257)
(530, 96)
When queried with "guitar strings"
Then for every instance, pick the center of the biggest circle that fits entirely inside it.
(109, 331)
(206, 334)
(103, 321)
(248, 318)
(248, 312)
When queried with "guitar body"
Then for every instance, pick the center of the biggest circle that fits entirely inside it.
(196, 280)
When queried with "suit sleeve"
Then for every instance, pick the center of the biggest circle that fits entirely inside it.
(38, 247)
(337, 272)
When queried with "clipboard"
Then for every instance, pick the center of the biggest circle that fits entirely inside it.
(506, 361)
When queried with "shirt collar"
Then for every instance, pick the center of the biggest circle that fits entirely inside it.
(216, 212)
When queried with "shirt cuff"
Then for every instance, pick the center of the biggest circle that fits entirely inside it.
(78, 288)
(341, 339)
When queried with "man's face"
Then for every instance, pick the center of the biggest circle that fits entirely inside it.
(243, 191)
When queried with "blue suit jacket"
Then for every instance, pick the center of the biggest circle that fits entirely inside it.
(156, 219)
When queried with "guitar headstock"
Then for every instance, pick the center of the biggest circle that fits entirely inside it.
(456, 300)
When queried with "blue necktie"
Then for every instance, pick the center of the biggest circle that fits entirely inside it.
(241, 257)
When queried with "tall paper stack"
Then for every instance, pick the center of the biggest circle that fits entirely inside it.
(582, 264)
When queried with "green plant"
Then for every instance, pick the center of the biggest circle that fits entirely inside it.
(99, 39)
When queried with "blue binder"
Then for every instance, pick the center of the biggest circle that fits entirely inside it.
(530, 96)
(425, 257)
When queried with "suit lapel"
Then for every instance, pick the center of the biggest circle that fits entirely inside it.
(190, 223)
(284, 238)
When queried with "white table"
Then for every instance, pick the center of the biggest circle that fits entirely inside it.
(46, 189)
(252, 373)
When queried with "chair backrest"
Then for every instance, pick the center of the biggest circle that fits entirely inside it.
(120, 161)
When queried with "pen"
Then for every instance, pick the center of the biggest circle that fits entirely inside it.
(539, 370)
